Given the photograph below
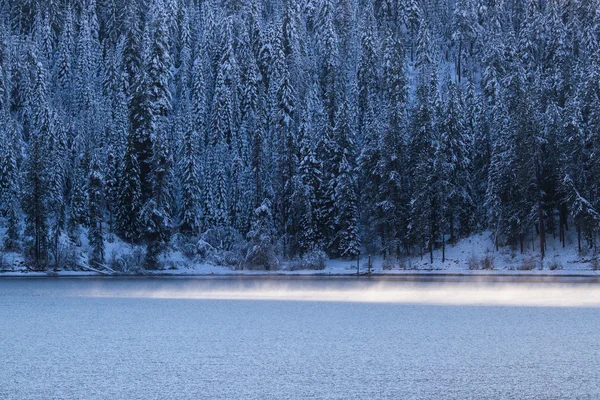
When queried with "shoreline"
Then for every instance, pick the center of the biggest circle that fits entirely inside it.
(588, 276)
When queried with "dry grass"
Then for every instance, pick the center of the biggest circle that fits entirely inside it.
(555, 266)
(528, 264)
(484, 263)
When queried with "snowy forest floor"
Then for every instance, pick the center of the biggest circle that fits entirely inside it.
(475, 255)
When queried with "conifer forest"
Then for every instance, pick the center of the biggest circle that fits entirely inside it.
(252, 132)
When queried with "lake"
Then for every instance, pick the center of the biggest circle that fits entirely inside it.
(299, 338)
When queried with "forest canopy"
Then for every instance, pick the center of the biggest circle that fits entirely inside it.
(273, 129)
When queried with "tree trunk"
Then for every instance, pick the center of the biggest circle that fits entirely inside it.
(383, 243)
(521, 241)
(553, 225)
(458, 60)
(542, 231)
(431, 249)
(443, 248)
(561, 232)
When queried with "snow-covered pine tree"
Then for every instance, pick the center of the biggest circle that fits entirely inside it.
(329, 62)
(156, 212)
(129, 194)
(9, 183)
(218, 189)
(392, 169)
(452, 166)
(64, 64)
(411, 16)
(465, 32)
(222, 124)
(95, 213)
(252, 122)
(346, 239)
(369, 161)
(424, 204)
(261, 239)
(8, 162)
(288, 161)
(36, 193)
(78, 210)
(189, 157)
(368, 71)
(307, 188)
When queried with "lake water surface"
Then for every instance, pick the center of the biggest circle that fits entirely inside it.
(298, 338)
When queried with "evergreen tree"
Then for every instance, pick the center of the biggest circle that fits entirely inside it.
(36, 196)
(190, 181)
(156, 212)
(465, 32)
(392, 169)
(424, 203)
(95, 215)
(345, 198)
(261, 237)
(129, 200)
(307, 189)
(9, 189)
(287, 160)
(452, 165)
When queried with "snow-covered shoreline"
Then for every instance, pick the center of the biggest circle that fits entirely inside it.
(225, 273)
(472, 256)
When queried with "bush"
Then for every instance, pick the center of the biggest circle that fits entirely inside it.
(204, 249)
(233, 259)
(261, 253)
(261, 257)
(488, 262)
(528, 264)
(186, 245)
(220, 239)
(389, 264)
(484, 263)
(221, 246)
(555, 266)
(65, 256)
(313, 260)
(3, 262)
(130, 260)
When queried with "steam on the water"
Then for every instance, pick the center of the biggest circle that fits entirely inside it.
(436, 293)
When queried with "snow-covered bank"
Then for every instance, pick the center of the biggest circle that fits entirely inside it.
(475, 255)
(215, 271)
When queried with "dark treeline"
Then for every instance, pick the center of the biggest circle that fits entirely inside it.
(386, 126)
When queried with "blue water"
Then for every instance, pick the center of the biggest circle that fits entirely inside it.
(85, 339)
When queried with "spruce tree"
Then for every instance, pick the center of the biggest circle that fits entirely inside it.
(346, 239)
(424, 203)
(95, 211)
(392, 169)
